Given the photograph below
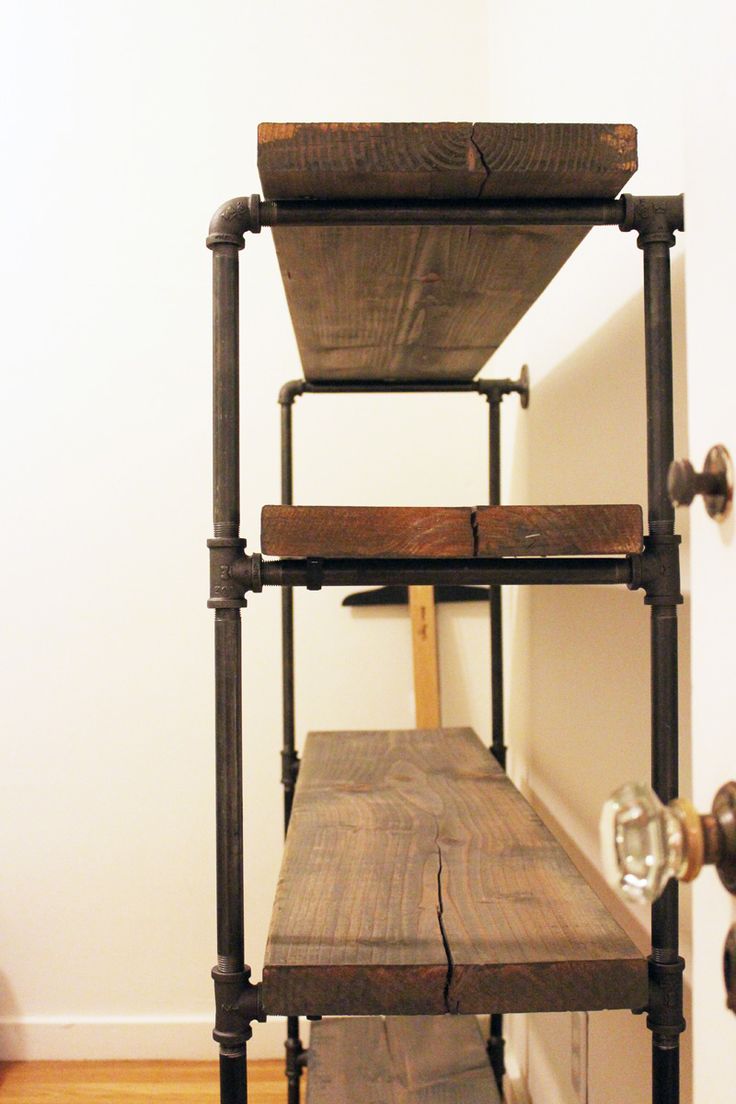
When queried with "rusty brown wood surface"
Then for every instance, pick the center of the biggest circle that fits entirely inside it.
(426, 302)
(417, 880)
(399, 1060)
(399, 532)
(558, 530)
(378, 532)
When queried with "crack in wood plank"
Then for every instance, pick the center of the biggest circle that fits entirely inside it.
(443, 932)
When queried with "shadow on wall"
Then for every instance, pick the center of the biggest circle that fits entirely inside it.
(585, 724)
(11, 1029)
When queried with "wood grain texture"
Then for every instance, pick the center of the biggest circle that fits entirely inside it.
(376, 532)
(425, 658)
(417, 880)
(132, 1082)
(402, 532)
(558, 530)
(426, 302)
(399, 1060)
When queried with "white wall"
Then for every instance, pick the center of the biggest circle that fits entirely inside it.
(580, 723)
(125, 124)
(711, 288)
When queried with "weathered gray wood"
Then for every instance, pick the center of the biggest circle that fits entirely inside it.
(426, 302)
(377, 532)
(558, 530)
(349, 1060)
(399, 1060)
(417, 880)
(427, 531)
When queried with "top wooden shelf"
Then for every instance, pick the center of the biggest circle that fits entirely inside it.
(431, 302)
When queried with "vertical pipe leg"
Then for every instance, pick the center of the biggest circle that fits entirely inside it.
(289, 762)
(665, 1018)
(498, 746)
(496, 1045)
(233, 1081)
(289, 758)
(229, 791)
(226, 598)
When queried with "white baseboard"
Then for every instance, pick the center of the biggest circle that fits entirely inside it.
(184, 1038)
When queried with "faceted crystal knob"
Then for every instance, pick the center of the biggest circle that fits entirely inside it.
(642, 842)
(645, 843)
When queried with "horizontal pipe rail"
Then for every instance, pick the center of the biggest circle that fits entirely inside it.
(315, 574)
(295, 388)
(409, 212)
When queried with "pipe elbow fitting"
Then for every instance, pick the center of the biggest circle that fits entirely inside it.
(290, 391)
(233, 220)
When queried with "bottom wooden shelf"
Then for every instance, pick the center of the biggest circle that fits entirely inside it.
(417, 880)
(399, 1060)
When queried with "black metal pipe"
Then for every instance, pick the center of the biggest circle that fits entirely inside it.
(289, 760)
(666, 1075)
(409, 212)
(660, 418)
(665, 1018)
(498, 746)
(229, 791)
(315, 574)
(495, 1045)
(495, 1048)
(227, 600)
(225, 391)
(294, 1060)
(288, 750)
(233, 1081)
(665, 761)
(370, 386)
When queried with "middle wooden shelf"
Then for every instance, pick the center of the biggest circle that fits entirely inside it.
(417, 880)
(445, 532)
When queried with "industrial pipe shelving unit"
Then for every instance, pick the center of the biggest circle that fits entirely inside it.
(493, 391)
(236, 573)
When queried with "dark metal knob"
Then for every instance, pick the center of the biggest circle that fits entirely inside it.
(714, 483)
(729, 968)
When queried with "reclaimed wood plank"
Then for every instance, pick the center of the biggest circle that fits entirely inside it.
(558, 530)
(402, 532)
(417, 880)
(426, 302)
(349, 1060)
(375, 532)
(440, 1060)
(399, 1060)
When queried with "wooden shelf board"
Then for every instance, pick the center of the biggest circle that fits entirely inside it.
(416, 881)
(430, 302)
(399, 1060)
(400, 532)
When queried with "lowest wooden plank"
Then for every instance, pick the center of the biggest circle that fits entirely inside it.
(399, 1060)
(417, 880)
(409, 302)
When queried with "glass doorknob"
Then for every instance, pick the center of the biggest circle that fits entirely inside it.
(644, 843)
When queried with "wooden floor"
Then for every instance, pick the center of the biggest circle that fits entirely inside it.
(132, 1082)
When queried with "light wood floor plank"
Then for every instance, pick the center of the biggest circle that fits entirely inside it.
(132, 1082)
